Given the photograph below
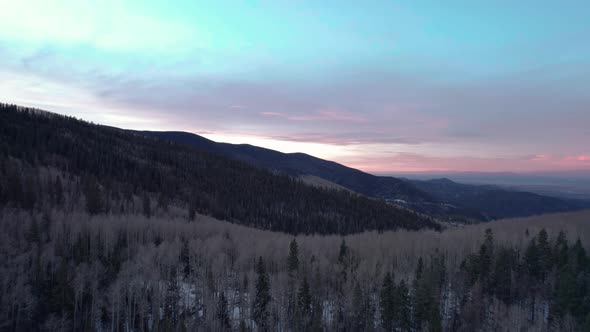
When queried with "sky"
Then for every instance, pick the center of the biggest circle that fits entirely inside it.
(384, 86)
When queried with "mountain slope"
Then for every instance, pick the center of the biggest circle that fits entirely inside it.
(495, 202)
(126, 164)
(303, 164)
(441, 198)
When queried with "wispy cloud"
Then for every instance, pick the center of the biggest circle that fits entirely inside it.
(320, 115)
(413, 162)
(382, 95)
(580, 158)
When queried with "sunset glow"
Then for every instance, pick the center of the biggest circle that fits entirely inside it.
(382, 86)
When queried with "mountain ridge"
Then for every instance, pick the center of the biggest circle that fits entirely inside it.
(422, 196)
(302, 164)
(107, 166)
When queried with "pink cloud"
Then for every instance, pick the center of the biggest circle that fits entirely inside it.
(327, 114)
(575, 158)
(414, 162)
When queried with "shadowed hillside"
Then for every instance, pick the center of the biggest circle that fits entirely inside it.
(303, 164)
(444, 199)
(494, 202)
(110, 165)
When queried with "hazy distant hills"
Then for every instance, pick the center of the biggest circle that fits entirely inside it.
(494, 202)
(442, 198)
(569, 184)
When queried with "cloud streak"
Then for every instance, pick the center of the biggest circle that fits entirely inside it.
(323, 115)
(412, 162)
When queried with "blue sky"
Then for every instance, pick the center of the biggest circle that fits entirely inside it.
(380, 85)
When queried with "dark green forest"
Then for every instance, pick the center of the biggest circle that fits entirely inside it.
(111, 165)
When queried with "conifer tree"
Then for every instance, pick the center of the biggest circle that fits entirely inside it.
(486, 254)
(471, 266)
(417, 310)
(565, 292)
(426, 297)
(292, 269)
(293, 259)
(560, 250)
(501, 279)
(580, 258)
(544, 254)
(304, 305)
(404, 306)
(419, 269)
(343, 259)
(387, 302)
(531, 258)
(580, 305)
(222, 313)
(360, 308)
(317, 308)
(343, 264)
(422, 302)
(262, 297)
(435, 321)
(531, 264)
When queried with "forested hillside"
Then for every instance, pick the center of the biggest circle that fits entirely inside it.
(64, 272)
(297, 164)
(442, 198)
(105, 230)
(105, 167)
(493, 202)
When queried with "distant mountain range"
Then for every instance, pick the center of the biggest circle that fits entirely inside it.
(565, 184)
(442, 198)
(494, 202)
